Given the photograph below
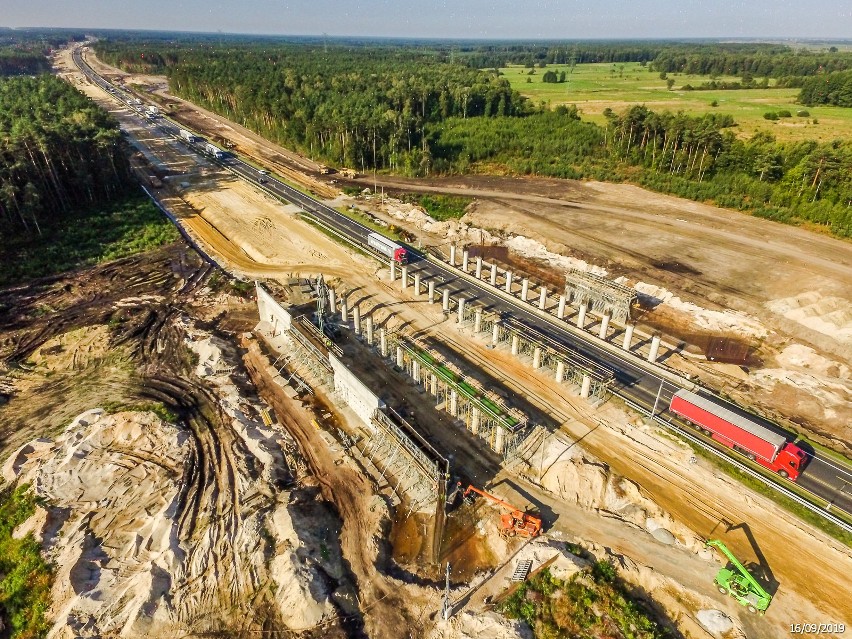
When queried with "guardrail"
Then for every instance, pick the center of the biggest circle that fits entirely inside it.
(627, 356)
(822, 512)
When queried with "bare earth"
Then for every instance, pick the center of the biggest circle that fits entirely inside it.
(752, 263)
(793, 283)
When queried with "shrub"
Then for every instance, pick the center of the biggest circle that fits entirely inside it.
(803, 114)
(25, 577)
(770, 115)
(784, 113)
(603, 572)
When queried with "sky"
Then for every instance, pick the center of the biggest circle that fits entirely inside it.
(482, 19)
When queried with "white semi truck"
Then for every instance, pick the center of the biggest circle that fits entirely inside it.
(214, 150)
(387, 247)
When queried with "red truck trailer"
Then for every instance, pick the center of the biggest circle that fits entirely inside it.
(764, 446)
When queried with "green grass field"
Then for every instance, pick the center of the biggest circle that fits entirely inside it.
(594, 87)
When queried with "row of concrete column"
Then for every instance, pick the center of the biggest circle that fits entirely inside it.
(430, 382)
(368, 322)
(561, 308)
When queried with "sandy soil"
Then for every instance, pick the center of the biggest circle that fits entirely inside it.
(388, 604)
(690, 493)
(159, 527)
(64, 361)
(717, 272)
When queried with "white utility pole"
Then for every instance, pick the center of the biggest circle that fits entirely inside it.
(656, 401)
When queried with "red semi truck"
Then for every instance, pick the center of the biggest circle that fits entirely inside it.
(764, 446)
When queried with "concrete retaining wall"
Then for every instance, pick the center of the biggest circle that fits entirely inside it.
(353, 391)
(271, 311)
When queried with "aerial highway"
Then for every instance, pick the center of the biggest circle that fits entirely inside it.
(648, 387)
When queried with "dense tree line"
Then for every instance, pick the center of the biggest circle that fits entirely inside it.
(700, 158)
(716, 60)
(552, 143)
(409, 112)
(830, 88)
(22, 61)
(58, 152)
(360, 107)
(24, 52)
(500, 55)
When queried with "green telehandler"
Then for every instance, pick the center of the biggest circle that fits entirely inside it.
(739, 583)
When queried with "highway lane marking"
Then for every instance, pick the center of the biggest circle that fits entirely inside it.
(832, 464)
(595, 351)
(823, 482)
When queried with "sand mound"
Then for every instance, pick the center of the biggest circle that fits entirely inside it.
(575, 476)
(156, 532)
(110, 480)
(451, 230)
(477, 626)
(715, 621)
(828, 315)
(536, 250)
(820, 385)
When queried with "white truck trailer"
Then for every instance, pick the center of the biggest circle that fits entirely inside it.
(214, 150)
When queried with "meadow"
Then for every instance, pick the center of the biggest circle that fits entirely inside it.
(595, 87)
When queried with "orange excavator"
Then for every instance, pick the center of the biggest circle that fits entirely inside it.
(514, 522)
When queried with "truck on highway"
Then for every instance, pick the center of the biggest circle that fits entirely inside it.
(766, 447)
(186, 135)
(153, 111)
(388, 248)
(214, 150)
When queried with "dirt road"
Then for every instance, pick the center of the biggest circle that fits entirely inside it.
(700, 499)
(383, 604)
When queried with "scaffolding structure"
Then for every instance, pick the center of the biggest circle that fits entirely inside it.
(421, 474)
(304, 358)
(413, 469)
(605, 295)
(481, 410)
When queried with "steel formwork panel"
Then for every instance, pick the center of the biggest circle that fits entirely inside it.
(469, 393)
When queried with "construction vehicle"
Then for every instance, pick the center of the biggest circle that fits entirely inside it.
(739, 583)
(514, 522)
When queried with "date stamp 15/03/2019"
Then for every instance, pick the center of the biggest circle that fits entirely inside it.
(817, 628)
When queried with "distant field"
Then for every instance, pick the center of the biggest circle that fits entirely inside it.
(594, 87)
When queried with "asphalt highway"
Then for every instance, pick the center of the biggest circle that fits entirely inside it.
(645, 385)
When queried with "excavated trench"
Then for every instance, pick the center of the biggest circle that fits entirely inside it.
(146, 302)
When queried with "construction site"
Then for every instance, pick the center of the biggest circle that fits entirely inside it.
(268, 429)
